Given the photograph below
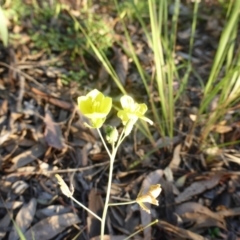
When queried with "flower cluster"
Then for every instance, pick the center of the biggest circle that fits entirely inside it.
(95, 106)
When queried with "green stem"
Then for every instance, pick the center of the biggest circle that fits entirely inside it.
(87, 209)
(122, 203)
(108, 192)
(150, 224)
(112, 158)
(105, 145)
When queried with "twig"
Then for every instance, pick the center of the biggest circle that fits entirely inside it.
(21, 93)
(22, 73)
(69, 170)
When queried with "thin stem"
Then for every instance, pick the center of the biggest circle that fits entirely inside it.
(105, 145)
(87, 209)
(121, 138)
(122, 203)
(108, 192)
(140, 230)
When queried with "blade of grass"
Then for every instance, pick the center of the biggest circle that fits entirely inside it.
(222, 48)
(100, 54)
(185, 78)
(3, 28)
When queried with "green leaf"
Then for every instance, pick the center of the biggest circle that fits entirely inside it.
(3, 28)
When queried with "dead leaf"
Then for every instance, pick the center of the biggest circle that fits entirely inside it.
(4, 223)
(194, 207)
(3, 107)
(229, 213)
(181, 181)
(107, 237)
(27, 156)
(202, 221)
(169, 200)
(176, 160)
(53, 100)
(52, 210)
(168, 174)
(19, 187)
(222, 128)
(11, 205)
(4, 137)
(51, 226)
(232, 158)
(179, 232)
(95, 205)
(24, 218)
(198, 187)
(52, 133)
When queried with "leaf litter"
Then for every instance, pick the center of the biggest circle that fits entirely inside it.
(41, 134)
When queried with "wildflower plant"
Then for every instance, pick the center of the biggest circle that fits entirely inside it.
(95, 107)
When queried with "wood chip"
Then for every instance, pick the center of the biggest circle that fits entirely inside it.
(27, 157)
(51, 226)
(198, 187)
(24, 218)
(53, 133)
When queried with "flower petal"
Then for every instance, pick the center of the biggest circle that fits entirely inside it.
(132, 111)
(95, 106)
(144, 207)
(127, 102)
(155, 190)
(147, 120)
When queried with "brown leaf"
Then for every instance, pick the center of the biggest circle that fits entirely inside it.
(3, 107)
(202, 221)
(51, 226)
(176, 158)
(95, 205)
(4, 223)
(10, 205)
(108, 237)
(222, 128)
(24, 218)
(53, 100)
(27, 157)
(179, 232)
(52, 210)
(169, 200)
(229, 213)
(194, 207)
(4, 136)
(198, 187)
(52, 133)
(201, 215)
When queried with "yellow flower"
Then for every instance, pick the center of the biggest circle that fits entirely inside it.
(132, 111)
(149, 197)
(96, 107)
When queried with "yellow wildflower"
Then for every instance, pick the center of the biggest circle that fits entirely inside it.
(95, 106)
(132, 111)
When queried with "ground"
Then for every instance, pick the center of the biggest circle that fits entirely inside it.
(47, 65)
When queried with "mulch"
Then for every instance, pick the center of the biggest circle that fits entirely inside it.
(42, 133)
